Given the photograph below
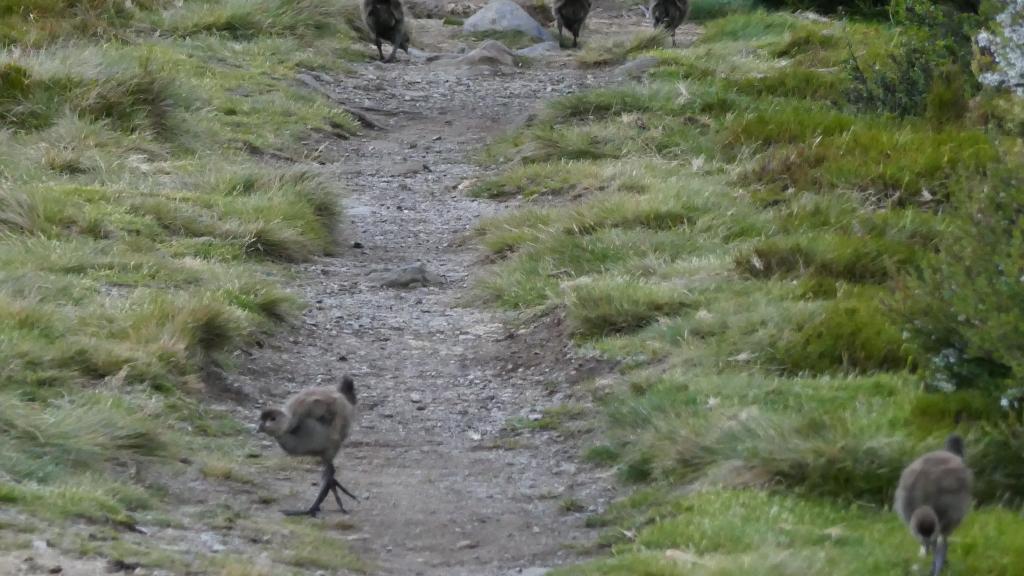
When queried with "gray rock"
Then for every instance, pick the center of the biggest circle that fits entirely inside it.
(542, 49)
(427, 56)
(406, 168)
(539, 10)
(461, 8)
(409, 277)
(212, 542)
(637, 67)
(505, 16)
(490, 53)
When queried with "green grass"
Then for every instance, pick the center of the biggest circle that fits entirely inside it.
(617, 51)
(143, 238)
(556, 418)
(734, 232)
(703, 10)
(316, 547)
(743, 531)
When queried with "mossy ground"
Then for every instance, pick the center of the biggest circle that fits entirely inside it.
(142, 237)
(733, 231)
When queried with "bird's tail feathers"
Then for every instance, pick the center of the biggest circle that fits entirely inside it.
(347, 387)
(955, 444)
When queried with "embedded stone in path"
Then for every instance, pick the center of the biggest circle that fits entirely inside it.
(409, 277)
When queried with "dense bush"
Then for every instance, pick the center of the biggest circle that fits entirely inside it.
(832, 6)
(965, 307)
(930, 71)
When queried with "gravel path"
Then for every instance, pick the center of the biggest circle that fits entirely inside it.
(445, 487)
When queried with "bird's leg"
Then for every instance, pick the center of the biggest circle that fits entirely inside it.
(673, 38)
(345, 490)
(337, 498)
(335, 486)
(560, 34)
(380, 51)
(575, 41)
(395, 41)
(326, 483)
(940, 556)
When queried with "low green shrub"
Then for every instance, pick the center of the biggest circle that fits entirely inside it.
(860, 7)
(705, 10)
(961, 310)
(929, 72)
(851, 334)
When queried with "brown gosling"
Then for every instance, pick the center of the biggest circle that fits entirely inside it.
(669, 14)
(571, 14)
(385, 19)
(315, 422)
(933, 496)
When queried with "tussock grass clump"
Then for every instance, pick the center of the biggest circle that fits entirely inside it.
(77, 433)
(855, 259)
(807, 434)
(317, 548)
(248, 19)
(617, 51)
(756, 26)
(543, 179)
(853, 333)
(795, 83)
(609, 306)
(128, 100)
(615, 101)
(897, 165)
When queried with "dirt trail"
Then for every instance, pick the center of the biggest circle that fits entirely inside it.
(439, 380)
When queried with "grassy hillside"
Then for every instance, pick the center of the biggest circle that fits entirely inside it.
(148, 197)
(771, 235)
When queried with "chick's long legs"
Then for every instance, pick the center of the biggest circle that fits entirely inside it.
(326, 484)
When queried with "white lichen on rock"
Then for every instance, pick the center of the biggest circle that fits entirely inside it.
(1006, 44)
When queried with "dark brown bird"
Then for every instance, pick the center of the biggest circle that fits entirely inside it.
(315, 422)
(385, 19)
(934, 495)
(571, 14)
(669, 14)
